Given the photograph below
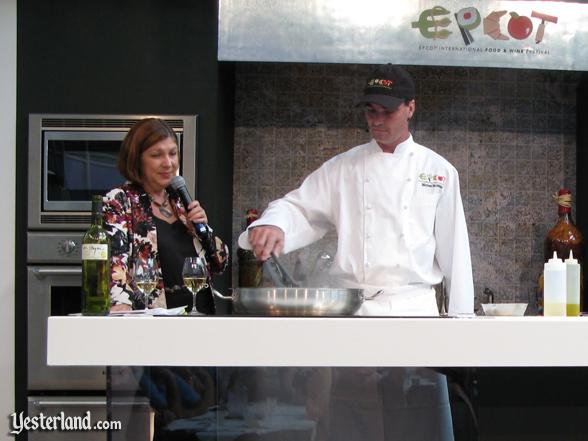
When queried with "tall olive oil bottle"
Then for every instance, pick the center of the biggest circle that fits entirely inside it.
(563, 237)
(96, 264)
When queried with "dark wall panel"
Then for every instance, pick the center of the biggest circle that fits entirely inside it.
(132, 57)
(135, 56)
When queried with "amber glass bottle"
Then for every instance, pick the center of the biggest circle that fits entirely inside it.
(250, 269)
(565, 236)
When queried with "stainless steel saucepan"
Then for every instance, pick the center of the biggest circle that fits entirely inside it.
(289, 299)
(295, 301)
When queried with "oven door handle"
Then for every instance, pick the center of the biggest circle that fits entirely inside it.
(69, 403)
(86, 403)
(42, 272)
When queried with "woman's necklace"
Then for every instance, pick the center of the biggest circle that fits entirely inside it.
(166, 212)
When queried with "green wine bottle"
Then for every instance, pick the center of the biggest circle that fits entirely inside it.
(96, 264)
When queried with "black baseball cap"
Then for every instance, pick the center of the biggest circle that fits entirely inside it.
(388, 86)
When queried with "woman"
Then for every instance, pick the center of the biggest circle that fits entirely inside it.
(144, 218)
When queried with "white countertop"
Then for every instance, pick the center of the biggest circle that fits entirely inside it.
(349, 341)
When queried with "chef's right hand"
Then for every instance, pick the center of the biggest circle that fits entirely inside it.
(266, 239)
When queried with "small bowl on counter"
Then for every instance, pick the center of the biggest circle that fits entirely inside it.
(504, 309)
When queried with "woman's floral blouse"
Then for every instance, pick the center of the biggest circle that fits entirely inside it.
(128, 219)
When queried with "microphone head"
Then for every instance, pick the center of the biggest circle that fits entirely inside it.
(177, 182)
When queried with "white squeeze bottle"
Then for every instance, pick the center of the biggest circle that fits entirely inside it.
(572, 286)
(554, 294)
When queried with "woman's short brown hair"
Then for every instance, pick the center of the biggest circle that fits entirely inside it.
(142, 135)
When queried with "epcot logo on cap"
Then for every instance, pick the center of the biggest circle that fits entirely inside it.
(376, 82)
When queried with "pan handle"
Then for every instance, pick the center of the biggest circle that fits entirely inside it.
(374, 295)
(221, 296)
(224, 304)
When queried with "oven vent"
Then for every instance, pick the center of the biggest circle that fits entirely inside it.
(66, 219)
(101, 123)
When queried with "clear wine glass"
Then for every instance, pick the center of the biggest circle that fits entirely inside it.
(145, 277)
(195, 275)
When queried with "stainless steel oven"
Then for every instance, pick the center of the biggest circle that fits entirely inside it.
(53, 287)
(72, 157)
(54, 279)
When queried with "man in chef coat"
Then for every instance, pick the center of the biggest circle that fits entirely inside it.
(397, 209)
(395, 204)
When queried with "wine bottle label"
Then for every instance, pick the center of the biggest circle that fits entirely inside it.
(94, 251)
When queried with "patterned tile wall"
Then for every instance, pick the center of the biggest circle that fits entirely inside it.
(509, 132)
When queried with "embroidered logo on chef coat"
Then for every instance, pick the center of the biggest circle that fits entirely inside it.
(432, 180)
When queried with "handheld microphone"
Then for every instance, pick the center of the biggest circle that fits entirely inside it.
(203, 231)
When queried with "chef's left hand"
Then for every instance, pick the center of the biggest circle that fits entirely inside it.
(196, 213)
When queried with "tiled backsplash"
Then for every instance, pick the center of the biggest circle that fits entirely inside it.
(509, 132)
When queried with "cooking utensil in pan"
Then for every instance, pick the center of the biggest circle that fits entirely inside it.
(278, 273)
(290, 299)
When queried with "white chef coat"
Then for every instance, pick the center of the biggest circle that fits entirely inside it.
(400, 224)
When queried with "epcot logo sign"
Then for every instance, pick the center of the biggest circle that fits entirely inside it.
(435, 23)
(529, 34)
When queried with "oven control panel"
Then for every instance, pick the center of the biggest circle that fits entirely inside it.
(54, 247)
